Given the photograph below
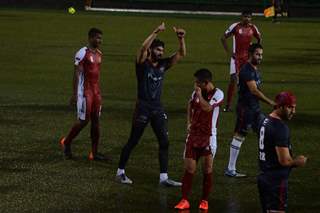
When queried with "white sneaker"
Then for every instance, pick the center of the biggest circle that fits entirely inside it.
(170, 183)
(234, 173)
(123, 179)
(87, 7)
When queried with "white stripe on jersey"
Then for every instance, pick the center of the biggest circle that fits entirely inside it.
(77, 59)
(255, 27)
(231, 27)
(215, 101)
(80, 55)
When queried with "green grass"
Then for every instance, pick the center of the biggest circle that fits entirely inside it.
(37, 50)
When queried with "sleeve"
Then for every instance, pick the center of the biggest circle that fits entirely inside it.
(217, 99)
(79, 56)
(231, 29)
(256, 32)
(281, 136)
(246, 75)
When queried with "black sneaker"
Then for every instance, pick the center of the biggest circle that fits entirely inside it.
(66, 149)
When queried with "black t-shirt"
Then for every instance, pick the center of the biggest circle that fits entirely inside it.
(246, 98)
(273, 132)
(150, 79)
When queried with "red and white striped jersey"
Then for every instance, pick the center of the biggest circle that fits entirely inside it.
(205, 123)
(88, 79)
(242, 37)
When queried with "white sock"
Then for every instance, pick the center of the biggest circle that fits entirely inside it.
(163, 176)
(234, 152)
(120, 172)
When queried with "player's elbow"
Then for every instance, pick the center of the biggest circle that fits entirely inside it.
(285, 162)
(255, 92)
(143, 48)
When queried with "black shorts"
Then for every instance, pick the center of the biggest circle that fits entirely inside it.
(273, 192)
(146, 112)
(247, 119)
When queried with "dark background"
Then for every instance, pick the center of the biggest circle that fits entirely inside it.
(297, 8)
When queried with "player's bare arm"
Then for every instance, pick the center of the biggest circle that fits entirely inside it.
(182, 46)
(225, 45)
(77, 70)
(255, 91)
(143, 52)
(285, 158)
(205, 106)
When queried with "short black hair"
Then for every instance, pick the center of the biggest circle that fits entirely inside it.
(246, 12)
(157, 43)
(203, 75)
(93, 32)
(253, 48)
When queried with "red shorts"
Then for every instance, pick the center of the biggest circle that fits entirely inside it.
(89, 106)
(200, 146)
(236, 64)
(239, 63)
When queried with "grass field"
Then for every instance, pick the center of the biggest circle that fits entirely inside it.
(36, 58)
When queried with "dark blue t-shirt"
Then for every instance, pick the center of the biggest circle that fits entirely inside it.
(150, 80)
(273, 132)
(245, 97)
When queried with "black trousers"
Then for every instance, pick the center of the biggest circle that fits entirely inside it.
(144, 113)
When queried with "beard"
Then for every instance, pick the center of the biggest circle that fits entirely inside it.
(156, 57)
(256, 62)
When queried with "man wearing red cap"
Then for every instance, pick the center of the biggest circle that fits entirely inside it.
(275, 155)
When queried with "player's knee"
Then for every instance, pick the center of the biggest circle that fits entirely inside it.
(207, 170)
(164, 144)
(240, 135)
(190, 169)
(84, 123)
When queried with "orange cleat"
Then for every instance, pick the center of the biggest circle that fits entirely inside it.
(204, 205)
(183, 204)
(98, 157)
(61, 142)
(91, 156)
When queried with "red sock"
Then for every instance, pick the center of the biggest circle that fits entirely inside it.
(73, 133)
(95, 135)
(231, 89)
(186, 184)
(206, 185)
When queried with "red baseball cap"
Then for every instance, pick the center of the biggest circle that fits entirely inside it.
(285, 98)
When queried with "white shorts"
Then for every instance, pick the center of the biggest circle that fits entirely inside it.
(213, 145)
(81, 107)
(232, 66)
